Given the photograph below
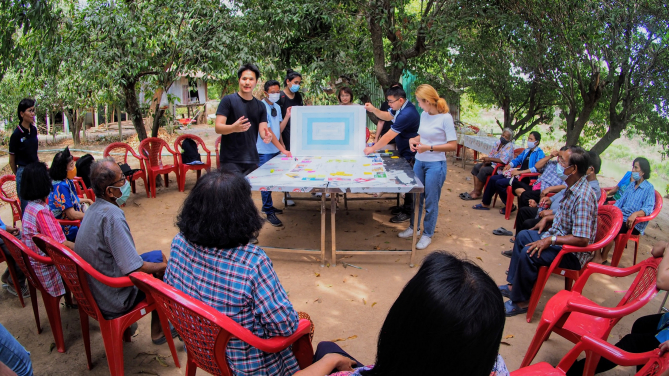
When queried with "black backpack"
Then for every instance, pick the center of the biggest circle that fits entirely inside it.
(84, 168)
(190, 153)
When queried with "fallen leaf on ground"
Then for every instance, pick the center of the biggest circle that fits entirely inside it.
(373, 304)
(52, 346)
(317, 274)
(479, 258)
(162, 362)
(509, 336)
(505, 343)
(344, 339)
(353, 275)
(364, 301)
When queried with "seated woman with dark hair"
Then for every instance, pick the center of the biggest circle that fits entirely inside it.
(638, 200)
(38, 219)
(63, 200)
(448, 320)
(211, 260)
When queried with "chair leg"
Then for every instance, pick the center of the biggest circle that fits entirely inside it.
(52, 306)
(568, 283)
(33, 300)
(190, 367)
(167, 180)
(152, 181)
(113, 341)
(132, 185)
(618, 251)
(591, 361)
(540, 336)
(536, 292)
(148, 194)
(15, 280)
(164, 323)
(636, 249)
(83, 317)
(509, 203)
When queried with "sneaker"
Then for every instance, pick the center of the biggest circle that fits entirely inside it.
(402, 217)
(423, 242)
(253, 240)
(24, 291)
(274, 210)
(408, 233)
(395, 210)
(288, 202)
(274, 220)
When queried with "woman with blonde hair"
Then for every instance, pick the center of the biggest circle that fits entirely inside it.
(436, 135)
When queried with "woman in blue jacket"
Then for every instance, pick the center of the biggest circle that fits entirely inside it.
(524, 163)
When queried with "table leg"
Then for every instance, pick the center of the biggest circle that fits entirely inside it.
(416, 197)
(464, 156)
(323, 215)
(333, 212)
(285, 200)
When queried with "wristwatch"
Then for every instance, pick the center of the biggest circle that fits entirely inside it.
(431, 147)
(553, 239)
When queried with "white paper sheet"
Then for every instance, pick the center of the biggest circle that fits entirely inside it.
(328, 131)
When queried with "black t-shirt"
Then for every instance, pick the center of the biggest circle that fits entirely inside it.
(285, 102)
(23, 144)
(526, 162)
(240, 147)
(385, 127)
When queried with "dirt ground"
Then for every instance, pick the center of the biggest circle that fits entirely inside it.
(346, 304)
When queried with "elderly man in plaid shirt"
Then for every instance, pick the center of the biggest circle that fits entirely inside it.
(575, 225)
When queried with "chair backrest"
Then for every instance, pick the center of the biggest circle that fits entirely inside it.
(602, 197)
(119, 152)
(516, 152)
(151, 149)
(198, 140)
(609, 220)
(217, 146)
(21, 255)
(72, 269)
(645, 280)
(656, 210)
(9, 194)
(655, 367)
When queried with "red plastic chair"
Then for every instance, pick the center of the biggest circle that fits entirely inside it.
(206, 332)
(654, 364)
(217, 146)
(82, 190)
(183, 168)
(571, 315)
(8, 194)
(22, 255)
(510, 196)
(119, 151)
(498, 167)
(622, 239)
(367, 135)
(602, 196)
(15, 281)
(609, 220)
(150, 149)
(74, 271)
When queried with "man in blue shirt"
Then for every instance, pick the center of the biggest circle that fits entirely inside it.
(406, 121)
(275, 125)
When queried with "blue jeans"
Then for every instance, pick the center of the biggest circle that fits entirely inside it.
(432, 175)
(13, 355)
(267, 203)
(19, 174)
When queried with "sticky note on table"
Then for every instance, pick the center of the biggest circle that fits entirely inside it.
(366, 165)
(286, 159)
(368, 173)
(271, 171)
(394, 157)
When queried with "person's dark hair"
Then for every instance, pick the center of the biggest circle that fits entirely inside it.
(247, 67)
(580, 159)
(595, 161)
(396, 92)
(346, 90)
(290, 75)
(102, 175)
(35, 182)
(564, 148)
(448, 319)
(227, 198)
(537, 135)
(396, 84)
(271, 83)
(25, 104)
(644, 165)
(58, 169)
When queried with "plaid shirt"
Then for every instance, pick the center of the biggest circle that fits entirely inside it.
(549, 176)
(38, 219)
(240, 283)
(577, 216)
(505, 153)
(635, 199)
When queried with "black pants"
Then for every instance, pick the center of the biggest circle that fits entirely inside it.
(285, 136)
(641, 339)
(19, 274)
(526, 217)
(529, 194)
(407, 207)
(240, 168)
(327, 347)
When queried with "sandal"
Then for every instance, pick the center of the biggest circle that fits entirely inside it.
(502, 232)
(479, 207)
(467, 197)
(503, 210)
(512, 240)
(508, 254)
(504, 289)
(512, 309)
(162, 339)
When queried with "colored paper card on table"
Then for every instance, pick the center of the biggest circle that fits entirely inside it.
(328, 130)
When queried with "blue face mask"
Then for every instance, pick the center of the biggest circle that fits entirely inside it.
(295, 88)
(560, 172)
(636, 176)
(125, 193)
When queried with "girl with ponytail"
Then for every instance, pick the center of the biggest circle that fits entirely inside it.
(436, 135)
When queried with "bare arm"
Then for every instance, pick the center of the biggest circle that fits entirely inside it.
(382, 115)
(382, 142)
(379, 129)
(663, 269)
(542, 162)
(284, 122)
(327, 364)
(69, 244)
(241, 125)
(154, 267)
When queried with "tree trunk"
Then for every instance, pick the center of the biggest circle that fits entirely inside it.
(613, 133)
(73, 128)
(132, 108)
(157, 115)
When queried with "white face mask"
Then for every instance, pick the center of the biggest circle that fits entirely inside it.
(274, 97)
(531, 144)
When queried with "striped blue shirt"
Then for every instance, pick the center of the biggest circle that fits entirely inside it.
(241, 284)
(635, 199)
(549, 176)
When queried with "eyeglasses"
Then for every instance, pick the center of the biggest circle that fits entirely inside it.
(391, 102)
(273, 112)
(118, 181)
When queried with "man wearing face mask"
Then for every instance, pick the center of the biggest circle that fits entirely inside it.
(575, 224)
(105, 242)
(275, 124)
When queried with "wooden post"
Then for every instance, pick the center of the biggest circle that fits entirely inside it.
(106, 118)
(95, 117)
(48, 123)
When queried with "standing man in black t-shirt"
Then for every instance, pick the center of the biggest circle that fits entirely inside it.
(23, 144)
(240, 119)
(382, 127)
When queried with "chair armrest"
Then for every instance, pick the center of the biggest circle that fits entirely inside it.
(612, 312)
(528, 175)
(116, 282)
(610, 271)
(276, 344)
(69, 222)
(616, 355)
